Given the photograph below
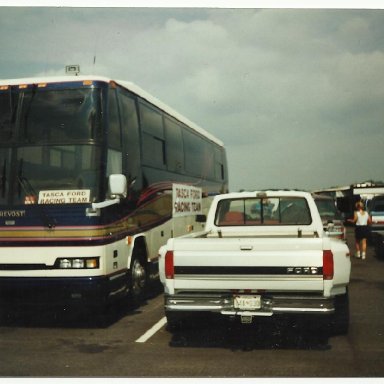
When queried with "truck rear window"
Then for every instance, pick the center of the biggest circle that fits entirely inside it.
(263, 211)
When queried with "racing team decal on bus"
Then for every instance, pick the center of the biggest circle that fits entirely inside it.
(187, 200)
(73, 196)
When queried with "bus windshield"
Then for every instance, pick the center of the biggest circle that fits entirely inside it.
(60, 115)
(49, 142)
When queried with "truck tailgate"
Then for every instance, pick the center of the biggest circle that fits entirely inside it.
(289, 264)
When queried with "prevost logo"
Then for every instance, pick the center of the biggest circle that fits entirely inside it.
(12, 214)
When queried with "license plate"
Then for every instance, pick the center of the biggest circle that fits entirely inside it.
(247, 302)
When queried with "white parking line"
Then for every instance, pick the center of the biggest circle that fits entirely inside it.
(152, 331)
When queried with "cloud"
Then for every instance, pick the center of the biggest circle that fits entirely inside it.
(296, 95)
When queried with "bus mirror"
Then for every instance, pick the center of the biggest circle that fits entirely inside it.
(117, 188)
(118, 185)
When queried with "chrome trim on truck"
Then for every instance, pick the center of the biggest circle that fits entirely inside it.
(269, 305)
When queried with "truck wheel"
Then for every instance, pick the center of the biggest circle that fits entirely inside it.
(137, 281)
(340, 319)
(177, 321)
(174, 322)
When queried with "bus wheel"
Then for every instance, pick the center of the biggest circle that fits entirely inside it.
(137, 281)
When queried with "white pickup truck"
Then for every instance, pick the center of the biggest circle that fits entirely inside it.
(260, 254)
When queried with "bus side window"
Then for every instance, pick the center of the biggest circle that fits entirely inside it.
(198, 155)
(114, 162)
(219, 163)
(131, 139)
(153, 137)
(114, 135)
(174, 147)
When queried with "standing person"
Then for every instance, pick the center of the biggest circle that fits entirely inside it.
(362, 220)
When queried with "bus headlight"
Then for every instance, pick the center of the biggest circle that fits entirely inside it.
(65, 263)
(77, 263)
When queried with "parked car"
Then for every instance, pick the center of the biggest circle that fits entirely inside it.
(375, 208)
(331, 217)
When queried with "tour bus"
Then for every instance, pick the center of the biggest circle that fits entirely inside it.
(96, 175)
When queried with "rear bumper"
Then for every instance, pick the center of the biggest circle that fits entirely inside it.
(269, 305)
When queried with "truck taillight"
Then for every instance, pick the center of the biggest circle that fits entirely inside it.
(169, 269)
(328, 265)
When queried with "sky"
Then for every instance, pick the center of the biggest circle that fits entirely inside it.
(295, 94)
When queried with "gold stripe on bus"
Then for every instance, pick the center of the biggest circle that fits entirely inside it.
(122, 227)
(61, 232)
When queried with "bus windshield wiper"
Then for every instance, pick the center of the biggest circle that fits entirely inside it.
(4, 179)
(27, 112)
(26, 186)
(30, 191)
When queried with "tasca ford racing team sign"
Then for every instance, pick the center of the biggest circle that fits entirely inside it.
(73, 196)
(187, 200)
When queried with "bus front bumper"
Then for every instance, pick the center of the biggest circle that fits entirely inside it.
(60, 291)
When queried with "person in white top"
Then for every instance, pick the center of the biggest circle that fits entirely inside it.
(362, 220)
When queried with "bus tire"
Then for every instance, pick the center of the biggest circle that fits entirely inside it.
(137, 279)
